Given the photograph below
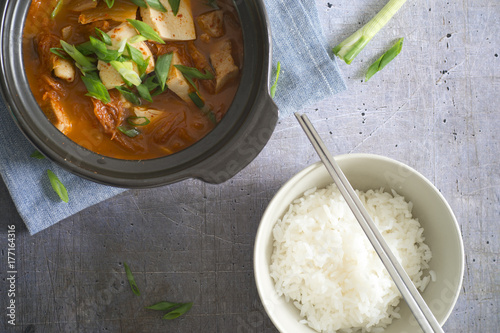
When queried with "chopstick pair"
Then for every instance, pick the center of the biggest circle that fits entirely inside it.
(416, 303)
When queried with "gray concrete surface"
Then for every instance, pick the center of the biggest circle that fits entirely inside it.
(435, 108)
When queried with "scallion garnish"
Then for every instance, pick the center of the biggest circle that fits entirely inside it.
(137, 57)
(137, 39)
(384, 59)
(179, 311)
(126, 70)
(146, 31)
(174, 4)
(138, 121)
(191, 73)
(144, 92)
(156, 5)
(56, 10)
(140, 3)
(129, 95)
(162, 68)
(130, 132)
(131, 279)
(95, 88)
(196, 100)
(151, 83)
(110, 3)
(275, 84)
(194, 72)
(350, 47)
(58, 186)
(57, 52)
(85, 48)
(104, 36)
(82, 61)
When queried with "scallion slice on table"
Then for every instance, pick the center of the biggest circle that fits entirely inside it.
(36, 154)
(275, 84)
(179, 311)
(384, 59)
(163, 306)
(131, 280)
(350, 47)
(58, 186)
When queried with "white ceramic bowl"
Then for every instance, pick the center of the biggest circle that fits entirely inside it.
(364, 172)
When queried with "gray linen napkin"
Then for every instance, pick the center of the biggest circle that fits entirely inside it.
(308, 74)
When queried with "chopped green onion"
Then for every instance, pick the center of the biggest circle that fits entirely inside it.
(137, 57)
(126, 70)
(162, 68)
(194, 72)
(144, 92)
(151, 83)
(179, 311)
(156, 5)
(174, 4)
(275, 84)
(146, 31)
(56, 10)
(85, 48)
(163, 306)
(140, 3)
(196, 100)
(133, 121)
(82, 61)
(57, 52)
(191, 72)
(104, 36)
(131, 279)
(110, 3)
(212, 3)
(58, 186)
(384, 59)
(350, 47)
(137, 39)
(96, 89)
(130, 132)
(129, 95)
(102, 52)
(36, 154)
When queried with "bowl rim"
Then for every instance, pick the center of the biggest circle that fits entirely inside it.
(259, 256)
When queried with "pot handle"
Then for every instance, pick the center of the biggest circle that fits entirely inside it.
(243, 147)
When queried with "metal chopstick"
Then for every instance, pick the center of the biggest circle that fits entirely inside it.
(415, 302)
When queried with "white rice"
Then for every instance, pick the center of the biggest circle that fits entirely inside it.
(324, 264)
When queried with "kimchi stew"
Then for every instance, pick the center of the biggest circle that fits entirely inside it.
(133, 79)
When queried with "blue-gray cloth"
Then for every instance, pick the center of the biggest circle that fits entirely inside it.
(307, 74)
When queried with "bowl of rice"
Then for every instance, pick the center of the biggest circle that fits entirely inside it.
(316, 271)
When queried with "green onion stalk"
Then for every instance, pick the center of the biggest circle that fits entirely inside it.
(350, 47)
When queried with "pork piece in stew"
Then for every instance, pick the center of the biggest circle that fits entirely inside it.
(133, 82)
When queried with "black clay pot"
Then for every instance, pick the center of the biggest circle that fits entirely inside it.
(232, 145)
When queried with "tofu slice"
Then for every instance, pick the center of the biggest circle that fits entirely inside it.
(63, 69)
(168, 26)
(176, 81)
(223, 63)
(109, 76)
(151, 114)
